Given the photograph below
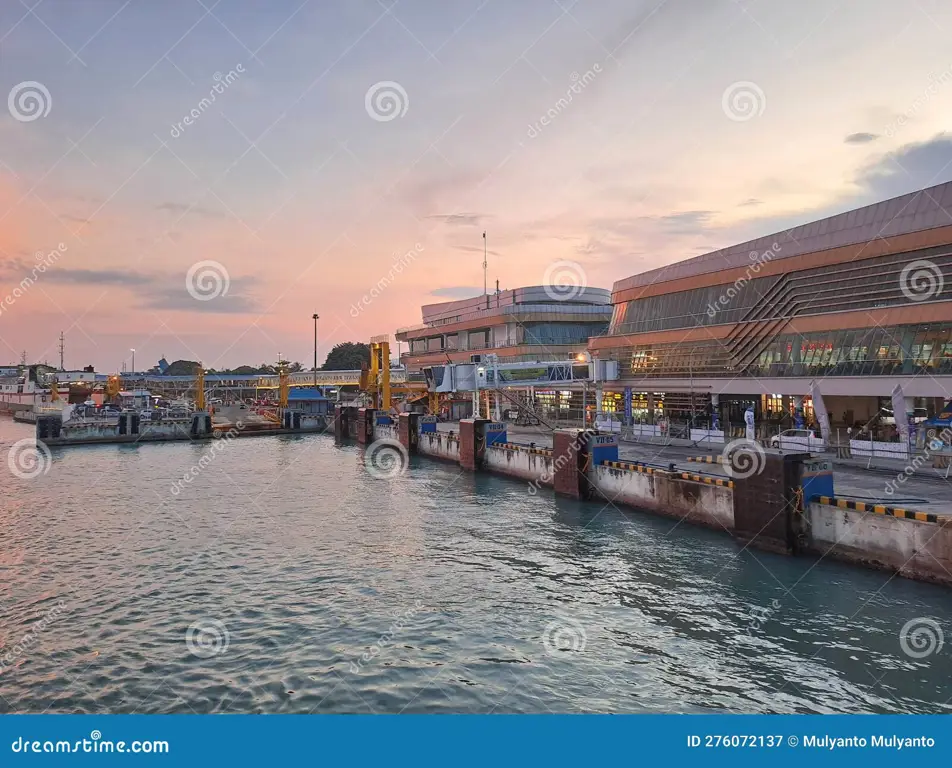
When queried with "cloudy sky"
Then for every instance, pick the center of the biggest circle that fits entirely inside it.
(617, 134)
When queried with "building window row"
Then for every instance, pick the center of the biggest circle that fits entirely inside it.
(866, 284)
(905, 350)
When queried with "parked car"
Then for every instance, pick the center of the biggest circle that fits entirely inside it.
(796, 438)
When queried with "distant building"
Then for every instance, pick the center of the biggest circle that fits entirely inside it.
(520, 325)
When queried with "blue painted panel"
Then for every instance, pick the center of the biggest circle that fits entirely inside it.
(428, 423)
(495, 433)
(817, 479)
(604, 448)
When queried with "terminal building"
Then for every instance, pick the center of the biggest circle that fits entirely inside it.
(536, 324)
(520, 325)
(853, 305)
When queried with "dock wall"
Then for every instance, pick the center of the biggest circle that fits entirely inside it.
(532, 464)
(439, 445)
(879, 539)
(668, 494)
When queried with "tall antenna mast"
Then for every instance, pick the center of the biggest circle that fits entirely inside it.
(485, 265)
(62, 350)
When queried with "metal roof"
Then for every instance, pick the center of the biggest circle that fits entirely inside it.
(925, 209)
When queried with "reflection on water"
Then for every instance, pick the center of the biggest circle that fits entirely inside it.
(284, 578)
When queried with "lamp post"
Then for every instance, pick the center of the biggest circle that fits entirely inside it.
(315, 317)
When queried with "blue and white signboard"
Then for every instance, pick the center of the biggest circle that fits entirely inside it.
(627, 405)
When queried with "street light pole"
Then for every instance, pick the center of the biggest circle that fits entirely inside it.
(315, 317)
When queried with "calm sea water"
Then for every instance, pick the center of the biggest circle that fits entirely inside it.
(285, 578)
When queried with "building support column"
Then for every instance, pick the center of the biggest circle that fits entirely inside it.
(651, 418)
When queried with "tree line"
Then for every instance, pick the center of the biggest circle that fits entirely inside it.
(346, 356)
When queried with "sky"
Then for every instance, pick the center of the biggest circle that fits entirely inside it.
(198, 178)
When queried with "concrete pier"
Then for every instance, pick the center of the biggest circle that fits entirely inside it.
(782, 504)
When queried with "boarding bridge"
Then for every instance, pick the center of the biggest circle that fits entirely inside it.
(470, 377)
(264, 381)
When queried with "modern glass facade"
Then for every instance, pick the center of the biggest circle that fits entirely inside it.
(902, 350)
(854, 285)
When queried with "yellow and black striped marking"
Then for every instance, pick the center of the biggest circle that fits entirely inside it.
(708, 480)
(525, 448)
(707, 459)
(630, 466)
(879, 509)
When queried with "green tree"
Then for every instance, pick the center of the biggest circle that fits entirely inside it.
(347, 356)
(182, 368)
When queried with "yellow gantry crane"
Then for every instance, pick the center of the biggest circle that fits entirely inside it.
(200, 388)
(284, 383)
(378, 376)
